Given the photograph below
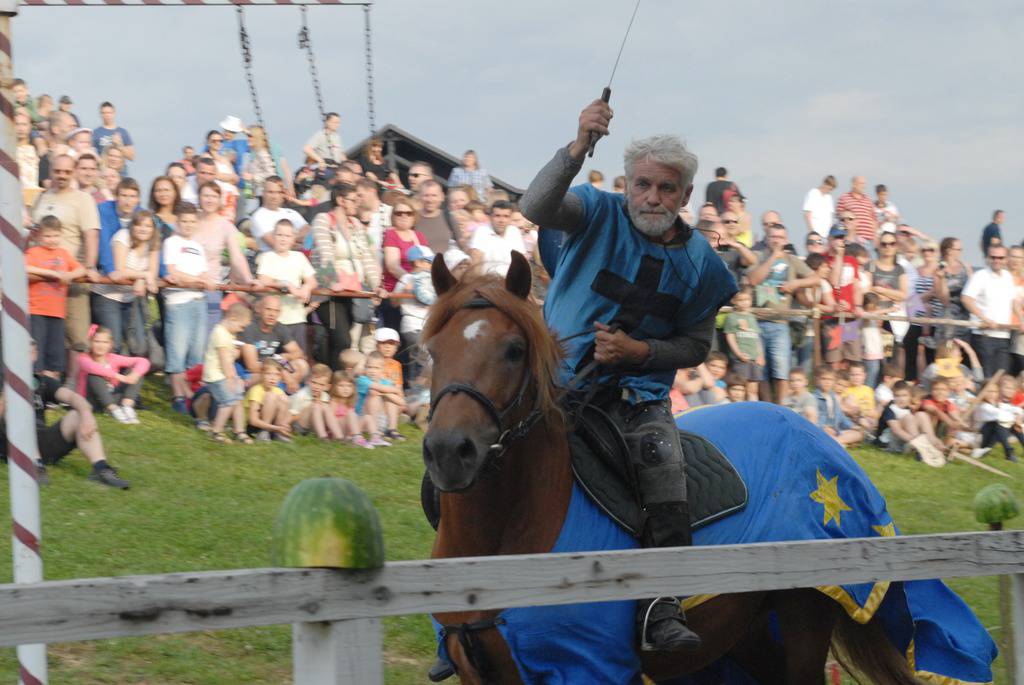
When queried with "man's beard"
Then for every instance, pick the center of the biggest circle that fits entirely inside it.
(652, 223)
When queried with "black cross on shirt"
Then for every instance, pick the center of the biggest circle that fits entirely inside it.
(639, 298)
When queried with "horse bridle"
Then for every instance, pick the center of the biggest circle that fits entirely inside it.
(466, 633)
(506, 435)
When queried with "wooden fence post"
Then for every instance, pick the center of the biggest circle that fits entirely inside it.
(338, 652)
(1016, 631)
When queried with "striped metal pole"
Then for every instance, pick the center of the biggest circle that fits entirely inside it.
(22, 450)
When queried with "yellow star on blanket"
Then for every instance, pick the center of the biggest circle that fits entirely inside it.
(828, 495)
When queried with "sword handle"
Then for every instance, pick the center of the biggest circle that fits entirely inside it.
(606, 94)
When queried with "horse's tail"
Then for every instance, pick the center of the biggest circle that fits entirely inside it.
(864, 651)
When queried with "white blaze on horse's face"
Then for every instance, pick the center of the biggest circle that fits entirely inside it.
(474, 330)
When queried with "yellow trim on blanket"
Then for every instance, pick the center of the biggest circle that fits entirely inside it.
(935, 678)
(695, 601)
(841, 596)
(860, 614)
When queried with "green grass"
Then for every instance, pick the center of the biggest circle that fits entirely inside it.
(199, 506)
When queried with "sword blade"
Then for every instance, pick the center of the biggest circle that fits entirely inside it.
(623, 45)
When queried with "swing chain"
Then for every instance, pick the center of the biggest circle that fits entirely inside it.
(243, 39)
(368, 41)
(306, 43)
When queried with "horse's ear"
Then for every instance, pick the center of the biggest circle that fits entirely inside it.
(441, 276)
(519, 279)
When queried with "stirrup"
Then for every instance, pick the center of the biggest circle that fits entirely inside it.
(441, 670)
(687, 640)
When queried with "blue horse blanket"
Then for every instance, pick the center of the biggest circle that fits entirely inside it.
(802, 485)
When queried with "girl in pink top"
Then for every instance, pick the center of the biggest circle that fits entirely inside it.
(101, 379)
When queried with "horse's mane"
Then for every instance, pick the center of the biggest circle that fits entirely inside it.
(543, 352)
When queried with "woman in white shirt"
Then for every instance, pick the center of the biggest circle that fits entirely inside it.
(123, 308)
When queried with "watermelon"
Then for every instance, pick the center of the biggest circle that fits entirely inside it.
(327, 522)
(995, 504)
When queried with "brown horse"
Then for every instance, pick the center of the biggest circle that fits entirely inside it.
(497, 450)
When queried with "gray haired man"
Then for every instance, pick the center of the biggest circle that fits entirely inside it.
(636, 291)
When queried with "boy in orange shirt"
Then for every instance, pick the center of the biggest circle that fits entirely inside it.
(387, 345)
(50, 268)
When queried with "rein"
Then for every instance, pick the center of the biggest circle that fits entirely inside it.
(471, 645)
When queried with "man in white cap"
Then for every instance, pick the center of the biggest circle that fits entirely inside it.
(235, 148)
(80, 142)
(457, 261)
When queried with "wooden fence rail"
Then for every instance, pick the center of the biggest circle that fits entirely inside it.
(337, 636)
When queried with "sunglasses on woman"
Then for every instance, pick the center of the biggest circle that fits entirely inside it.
(402, 212)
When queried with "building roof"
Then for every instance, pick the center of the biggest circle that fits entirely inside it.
(401, 149)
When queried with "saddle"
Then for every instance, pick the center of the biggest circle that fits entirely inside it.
(600, 464)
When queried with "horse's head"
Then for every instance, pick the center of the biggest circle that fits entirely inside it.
(493, 370)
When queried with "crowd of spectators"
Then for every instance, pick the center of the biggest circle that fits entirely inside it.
(208, 272)
(830, 337)
(252, 353)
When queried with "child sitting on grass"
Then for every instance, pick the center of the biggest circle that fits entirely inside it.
(901, 427)
(387, 346)
(716, 365)
(101, 381)
(698, 386)
(800, 400)
(417, 400)
(862, 398)
(267, 405)
(998, 420)
(891, 375)
(221, 376)
(944, 413)
(311, 406)
(351, 362)
(963, 398)
(343, 403)
(735, 388)
(949, 357)
(831, 418)
(377, 396)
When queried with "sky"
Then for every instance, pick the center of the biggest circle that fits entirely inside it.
(921, 95)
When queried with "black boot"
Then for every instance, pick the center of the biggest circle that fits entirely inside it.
(663, 626)
(441, 670)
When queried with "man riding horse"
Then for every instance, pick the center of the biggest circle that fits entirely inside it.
(635, 293)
